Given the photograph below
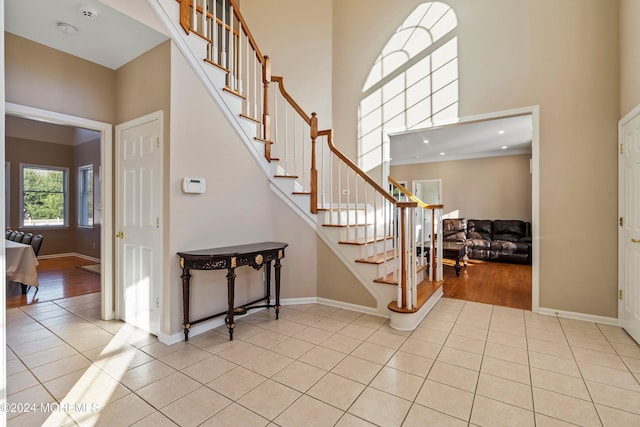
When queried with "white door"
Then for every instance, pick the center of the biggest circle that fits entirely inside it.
(138, 218)
(629, 230)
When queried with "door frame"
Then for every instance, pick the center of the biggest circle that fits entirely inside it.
(106, 187)
(117, 284)
(621, 265)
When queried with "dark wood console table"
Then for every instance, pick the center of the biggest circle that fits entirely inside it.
(255, 255)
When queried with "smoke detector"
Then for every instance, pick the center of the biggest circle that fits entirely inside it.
(89, 14)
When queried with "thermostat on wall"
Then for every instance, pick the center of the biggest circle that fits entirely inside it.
(194, 185)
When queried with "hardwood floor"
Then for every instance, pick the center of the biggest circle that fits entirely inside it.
(497, 283)
(58, 278)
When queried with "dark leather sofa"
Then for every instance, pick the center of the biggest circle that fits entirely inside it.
(491, 240)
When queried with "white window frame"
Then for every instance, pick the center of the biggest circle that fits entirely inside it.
(7, 194)
(81, 199)
(65, 171)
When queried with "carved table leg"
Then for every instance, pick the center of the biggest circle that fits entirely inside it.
(267, 282)
(278, 266)
(186, 279)
(231, 279)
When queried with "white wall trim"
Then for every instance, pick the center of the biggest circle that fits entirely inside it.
(579, 316)
(349, 306)
(106, 165)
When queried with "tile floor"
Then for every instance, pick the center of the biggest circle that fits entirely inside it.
(466, 364)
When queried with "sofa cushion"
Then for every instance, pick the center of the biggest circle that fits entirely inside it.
(454, 229)
(479, 229)
(508, 230)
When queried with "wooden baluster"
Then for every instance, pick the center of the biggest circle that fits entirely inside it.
(223, 41)
(266, 120)
(239, 79)
(231, 52)
(194, 15)
(313, 185)
(203, 19)
(214, 29)
(185, 15)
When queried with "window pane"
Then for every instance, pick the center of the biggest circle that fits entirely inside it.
(43, 196)
(85, 196)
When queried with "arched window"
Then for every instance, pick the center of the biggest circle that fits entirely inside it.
(413, 83)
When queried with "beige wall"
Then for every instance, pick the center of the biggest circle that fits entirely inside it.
(296, 35)
(629, 55)
(487, 188)
(562, 56)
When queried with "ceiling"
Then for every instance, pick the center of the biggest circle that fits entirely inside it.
(110, 38)
(489, 138)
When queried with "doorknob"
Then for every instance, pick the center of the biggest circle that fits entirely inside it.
(635, 240)
(120, 235)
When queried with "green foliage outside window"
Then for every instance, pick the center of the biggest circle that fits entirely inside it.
(44, 195)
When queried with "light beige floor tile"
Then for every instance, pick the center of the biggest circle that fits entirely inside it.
(632, 364)
(398, 383)
(357, 332)
(505, 391)
(322, 358)
(508, 353)
(61, 367)
(146, 374)
(313, 335)
(612, 417)
(236, 382)
(478, 320)
(322, 310)
(269, 399)
(380, 408)
(447, 399)
(598, 358)
(554, 363)
(20, 381)
(268, 364)
(373, 352)
(50, 355)
(168, 389)
(465, 343)
(507, 370)
(345, 315)
(306, 318)
(299, 376)
(461, 358)
(120, 363)
(505, 338)
(387, 339)
(357, 369)
(470, 331)
(609, 376)
(196, 407)
(444, 315)
(629, 350)
(565, 408)
(437, 325)
(125, 411)
(430, 335)
(208, 369)
(330, 325)
(36, 346)
(348, 420)
(551, 348)
(559, 383)
(40, 419)
(267, 339)
(455, 376)
(336, 391)
(36, 394)
(159, 349)
(156, 419)
(614, 397)
(240, 353)
(61, 386)
(307, 411)
(420, 416)
(492, 413)
(235, 415)
(184, 357)
(370, 321)
(14, 366)
(341, 343)
(292, 347)
(287, 327)
(100, 393)
(411, 363)
(556, 335)
(591, 344)
(508, 327)
(545, 421)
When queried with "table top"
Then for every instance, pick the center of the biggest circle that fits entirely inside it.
(12, 244)
(234, 250)
(21, 263)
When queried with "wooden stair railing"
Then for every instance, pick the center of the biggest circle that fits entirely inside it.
(335, 185)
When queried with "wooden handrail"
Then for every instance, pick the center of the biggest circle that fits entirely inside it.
(289, 99)
(329, 134)
(245, 28)
(411, 196)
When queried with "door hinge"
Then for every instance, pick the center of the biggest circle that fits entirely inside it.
(157, 222)
(158, 142)
(620, 221)
(157, 302)
(620, 294)
(621, 148)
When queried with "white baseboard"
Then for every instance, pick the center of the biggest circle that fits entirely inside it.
(52, 256)
(579, 316)
(219, 321)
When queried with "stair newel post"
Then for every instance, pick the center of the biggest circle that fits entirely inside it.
(313, 177)
(406, 257)
(266, 120)
(432, 253)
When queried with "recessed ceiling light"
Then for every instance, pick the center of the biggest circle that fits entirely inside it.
(504, 147)
(66, 28)
(426, 141)
(442, 154)
(500, 132)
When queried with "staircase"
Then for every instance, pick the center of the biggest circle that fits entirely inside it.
(375, 235)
